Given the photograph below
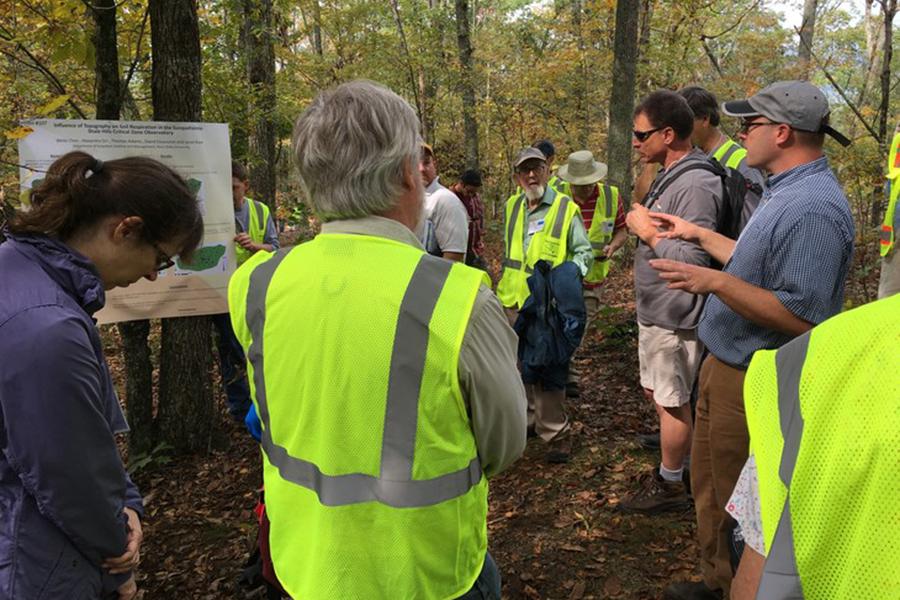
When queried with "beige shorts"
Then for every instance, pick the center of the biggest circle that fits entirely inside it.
(669, 362)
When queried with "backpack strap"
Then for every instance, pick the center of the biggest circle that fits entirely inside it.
(669, 178)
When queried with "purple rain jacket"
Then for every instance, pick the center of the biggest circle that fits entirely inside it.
(63, 486)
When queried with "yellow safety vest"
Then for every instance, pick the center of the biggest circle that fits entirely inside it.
(602, 227)
(893, 176)
(823, 413)
(550, 244)
(373, 484)
(259, 217)
(730, 154)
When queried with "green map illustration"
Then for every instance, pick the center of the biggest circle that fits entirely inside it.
(205, 258)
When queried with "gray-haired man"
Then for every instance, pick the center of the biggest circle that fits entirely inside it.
(383, 419)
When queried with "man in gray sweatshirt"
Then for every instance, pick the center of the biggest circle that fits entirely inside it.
(668, 349)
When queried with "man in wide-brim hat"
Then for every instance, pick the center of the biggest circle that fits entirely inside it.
(601, 207)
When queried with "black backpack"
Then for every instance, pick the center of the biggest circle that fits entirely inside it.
(735, 188)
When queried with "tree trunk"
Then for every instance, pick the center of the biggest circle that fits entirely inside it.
(467, 75)
(621, 103)
(582, 101)
(888, 9)
(261, 75)
(186, 414)
(317, 28)
(106, 68)
(135, 350)
(807, 29)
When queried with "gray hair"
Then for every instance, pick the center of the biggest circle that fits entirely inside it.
(351, 147)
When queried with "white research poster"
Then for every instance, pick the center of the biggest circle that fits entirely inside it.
(200, 153)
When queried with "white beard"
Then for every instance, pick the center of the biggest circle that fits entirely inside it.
(534, 193)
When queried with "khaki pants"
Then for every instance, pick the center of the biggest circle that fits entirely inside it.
(546, 412)
(718, 454)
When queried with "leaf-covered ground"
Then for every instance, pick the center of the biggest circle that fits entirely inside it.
(553, 529)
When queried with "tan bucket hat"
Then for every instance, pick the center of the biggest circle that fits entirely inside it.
(582, 169)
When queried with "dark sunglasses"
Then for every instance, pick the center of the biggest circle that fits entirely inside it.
(747, 126)
(163, 260)
(642, 136)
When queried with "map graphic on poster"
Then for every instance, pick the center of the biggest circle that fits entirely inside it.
(199, 152)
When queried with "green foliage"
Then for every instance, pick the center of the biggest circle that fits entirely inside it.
(159, 456)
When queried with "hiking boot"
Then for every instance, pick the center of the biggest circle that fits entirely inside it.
(657, 496)
(572, 390)
(561, 448)
(691, 590)
(649, 441)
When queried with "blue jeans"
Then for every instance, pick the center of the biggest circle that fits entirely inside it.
(233, 366)
(487, 586)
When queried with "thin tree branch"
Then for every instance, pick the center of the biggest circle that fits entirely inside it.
(734, 25)
(840, 91)
(46, 72)
(137, 51)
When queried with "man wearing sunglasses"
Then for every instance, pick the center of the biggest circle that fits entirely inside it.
(784, 274)
(668, 349)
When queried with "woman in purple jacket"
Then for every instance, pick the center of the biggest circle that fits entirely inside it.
(69, 513)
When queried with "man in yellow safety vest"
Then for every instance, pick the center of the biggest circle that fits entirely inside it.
(384, 378)
(541, 224)
(817, 500)
(889, 283)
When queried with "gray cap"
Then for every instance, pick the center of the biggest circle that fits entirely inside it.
(527, 154)
(799, 104)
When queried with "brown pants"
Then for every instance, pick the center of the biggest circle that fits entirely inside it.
(718, 454)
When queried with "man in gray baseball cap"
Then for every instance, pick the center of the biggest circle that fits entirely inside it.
(798, 104)
(784, 275)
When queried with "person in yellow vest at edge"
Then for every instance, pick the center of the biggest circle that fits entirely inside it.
(384, 378)
(541, 224)
(254, 231)
(817, 500)
(889, 282)
(603, 216)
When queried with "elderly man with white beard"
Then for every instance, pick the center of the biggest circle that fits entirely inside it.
(541, 224)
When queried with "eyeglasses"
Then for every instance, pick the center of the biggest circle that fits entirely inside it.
(642, 136)
(747, 126)
(524, 170)
(163, 260)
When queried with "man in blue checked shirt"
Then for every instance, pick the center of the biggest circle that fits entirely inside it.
(784, 275)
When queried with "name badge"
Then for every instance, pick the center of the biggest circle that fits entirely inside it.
(535, 226)
(607, 226)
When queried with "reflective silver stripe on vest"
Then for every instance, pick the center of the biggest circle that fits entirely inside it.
(260, 215)
(395, 486)
(598, 246)
(608, 201)
(511, 226)
(780, 579)
(732, 148)
(560, 217)
(512, 264)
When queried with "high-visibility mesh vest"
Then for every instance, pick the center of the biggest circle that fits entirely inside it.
(893, 174)
(730, 154)
(824, 418)
(259, 217)
(373, 484)
(550, 244)
(602, 227)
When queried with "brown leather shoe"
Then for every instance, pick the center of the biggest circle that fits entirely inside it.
(691, 590)
(560, 448)
(657, 496)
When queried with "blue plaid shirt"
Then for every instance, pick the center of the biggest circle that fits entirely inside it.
(798, 244)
